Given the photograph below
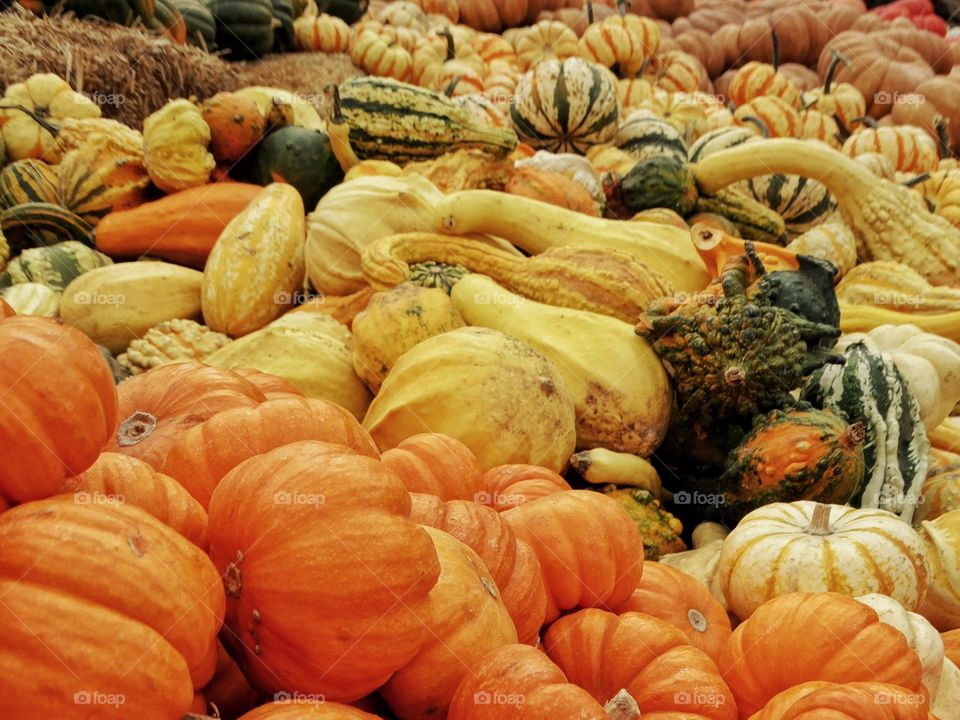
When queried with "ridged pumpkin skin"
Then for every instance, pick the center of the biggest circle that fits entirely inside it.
(795, 455)
(800, 637)
(315, 710)
(59, 406)
(74, 575)
(26, 181)
(236, 125)
(506, 486)
(845, 701)
(256, 266)
(205, 453)
(124, 479)
(329, 628)
(437, 465)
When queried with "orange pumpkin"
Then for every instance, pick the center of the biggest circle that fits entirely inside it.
(778, 117)
(236, 125)
(273, 387)
(316, 548)
(604, 653)
(511, 562)
(908, 148)
(436, 464)
(376, 55)
(518, 677)
(126, 480)
(756, 79)
(799, 637)
(554, 188)
(815, 125)
(548, 39)
(563, 530)
(306, 708)
(229, 690)
(678, 71)
(678, 599)
(323, 33)
(59, 406)
(492, 15)
(506, 486)
(206, 452)
(845, 701)
(5, 309)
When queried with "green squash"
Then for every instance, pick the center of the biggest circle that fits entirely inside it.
(26, 181)
(122, 12)
(660, 530)
(54, 266)
(283, 35)
(661, 181)
(244, 27)
(347, 10)
(201, 25)
(753, 220)
(300, 157)
(646, 137)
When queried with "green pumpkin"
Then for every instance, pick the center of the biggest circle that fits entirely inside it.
(244, 27)
(297, 156)
(201, 26)
(122, 12)
(55, 266)
(283, 36)
(661, 181)
(347, 10)
(646, 137)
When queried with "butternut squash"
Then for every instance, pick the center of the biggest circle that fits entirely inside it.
(580, 277)
(182, 227)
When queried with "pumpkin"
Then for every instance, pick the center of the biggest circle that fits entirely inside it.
(245, 27)
(323, 33)
(493, 15)
(266, 239)
(614, 44)
(932, 101)
(545, 524)
(565, 106)
(236, 125)
(650, 659)
(5, 309)
(121, 479)
(127, 577)
(374, 54)
(229, 690)
(845, 701)
(320, 631)
(436, 465)
(476, 370)
(552, 187)
(59, 408)
(506, 486)
(778, 116)
(942, 603)
(909, 148)
(756, 79)
(940, 494)
(811, 547)
(800, 636)
(678, 599)
(679, 72)
(42, 96)
(842, 101)
(55, 266)
(515, 675)
(288, 708)
(468, 619)
(26, 181)
(940, 192)
(171, 341)
(512, 563)
(32, 299)
(272, 386)
(814, 125)
(175, 141)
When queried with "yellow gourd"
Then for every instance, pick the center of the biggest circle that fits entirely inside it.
(175, 141)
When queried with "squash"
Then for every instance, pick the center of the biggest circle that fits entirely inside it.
(863, 318)
(175, 141)
(283, 16)
(511, 404)
(282, 107)
(778, 116)
(299, 157)
(752, 219)
(115, 304)
(552, 187)
(256, 265)
(236, 125)
(168, 22)
(659, 181)
(323, 33)
(4, 252)
(805, 546)
(379, 55)
(36, 224)
(942, 603)
(200, 23)
(55, 266)
(182, 227)
(171, 341)
(565, 105)
(868, 700)
(26, 181)
(437, 468)
(940, 191)
(412, 313)
(757, 79)
(893, 285)
(940, 495)
(614, 44)
(244, 27)
(536, 227)
(311, 350)
(100, 177)
(832, 241)
(659, 529)
(31, 298)
(601, 280)
(600, 466)
(644, 135)
(626, 413)
(868, 388)
(909, 148)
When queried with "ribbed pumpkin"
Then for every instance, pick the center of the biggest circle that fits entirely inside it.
(942, 539)
(175, 141)
(245, 27)
(545, 40)
(59, 406)
(26, 181)
(317, 710)
(909, 148)
(845, 701)
(778, 116)
(554, 188)
(76, 575)
(436, 465)
(236, 125)
(644, 135)
(323, 33)
(613, 44)
(55, 266)
(566, 106)
(331, 628)
(257, 265)
(506, 486)
(200, 24)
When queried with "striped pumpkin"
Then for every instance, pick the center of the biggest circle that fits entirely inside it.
(633, 92)
(909, 148)
(33, 224)
(26, 181)
(100, 177)
(833, 241)
(678, 72)
(778, 116)
(613, 44)
(868, 388)
(566, 106)
(201, 25)
(547, 40)
(374, 55)
(324, 33)
(720, 139)
(759, 79)
(645, 29)
(55, 266)
(493, 48)
(457, 78)
(644, 135)
(801, 202)
(941, 192)
(814, 125)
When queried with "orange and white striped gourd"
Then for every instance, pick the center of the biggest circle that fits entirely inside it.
(613, 44)
(815, 125)
(678, 71)
(493, 48)
(779, 117)
(403, 14)
(546, 40)
(842, 101)
(910, 148)
(759, 79)
(375, 55)
(323, 33)
(633, 92)
(450, 9)
(942, 193)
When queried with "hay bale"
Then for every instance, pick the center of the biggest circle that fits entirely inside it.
(306, 74)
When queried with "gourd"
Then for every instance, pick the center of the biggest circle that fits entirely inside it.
(805, 546)
(236, 125)
(412, 313)
(171, 341)
(26, 181)
(256, 266)
(311, 350)
(282, 107)
(600, 466)
(614, 44)
(497, 395)
(868, 388)
(623, 412)
(659, 181)
(175, 141)
(200, 22)
(832, 241)
(580, 277)
(536, 227)
(119, 303)
(552, 187)
(893, 285)
(758, 79)
(659, 529)
(36, 224)
(646, 136)
(887, 221)
(862, 318)
(942, 603)
(32, 299)
(909, 148)
(102, 176)
(322, 33)
(55, 266)
(940, 495)
(300, 157)
(245, 27)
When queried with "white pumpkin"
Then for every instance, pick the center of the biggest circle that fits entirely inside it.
(811, 547)
(701, 561)
(942, 538)
(920, 634)
(946, 703)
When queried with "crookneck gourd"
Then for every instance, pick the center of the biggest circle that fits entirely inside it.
(582, 277)
(887, 220)
(732, 352)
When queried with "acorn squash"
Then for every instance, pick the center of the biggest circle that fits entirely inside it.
(55, 266)
(299, 157)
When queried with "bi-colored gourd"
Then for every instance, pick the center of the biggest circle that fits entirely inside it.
(893, 285)
(175, 146)
(55, 266)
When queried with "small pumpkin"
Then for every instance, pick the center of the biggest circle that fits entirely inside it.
(29, 180)
(554, 188)
(299, 157)
(545, 40)
(778, 116)
(236, 125)
(373, 54)
(506, 486)
(175, 146)
(436, 465)
(323, 33)
(756, 79)
(245, 27)
(845, 701)
(909, 148)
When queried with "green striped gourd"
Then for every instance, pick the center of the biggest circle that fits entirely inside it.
(392, 120)
(283, 34)
(5, 252)
(54, 266)
(26, 181)
(753, 219)
(644, 136)
(720, 139)
(566, 105)
(201, 26)
(869, 389)
(244, 27)
(32, 299)
(100, 176)
(34, 224)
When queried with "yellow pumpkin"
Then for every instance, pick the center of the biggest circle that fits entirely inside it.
(175, 140)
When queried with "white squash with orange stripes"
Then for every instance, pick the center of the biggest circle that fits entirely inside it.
(759, 79)
(613, 44)
(909, 148)
(376, 56)
(805, 546)
(678, 72)
(323, 33)
(942, 193)
(814, 125)
(493, 48)
(778, 116)
(547, 40)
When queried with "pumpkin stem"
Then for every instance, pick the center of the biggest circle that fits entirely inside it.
(338, 132)
(452, 85)
(866, 120)
(233, 579)
(622, 706)
(854, 435)
(832, 70)
(941, 125)
(42, 122)
(761, 125)
(136, 428)
(844, 130)
(451, 46)
(820, 522)
(590, 12)
(916, 180)
(622, 7)
(776, 49)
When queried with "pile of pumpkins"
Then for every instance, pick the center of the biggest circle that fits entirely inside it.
(544, 385)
